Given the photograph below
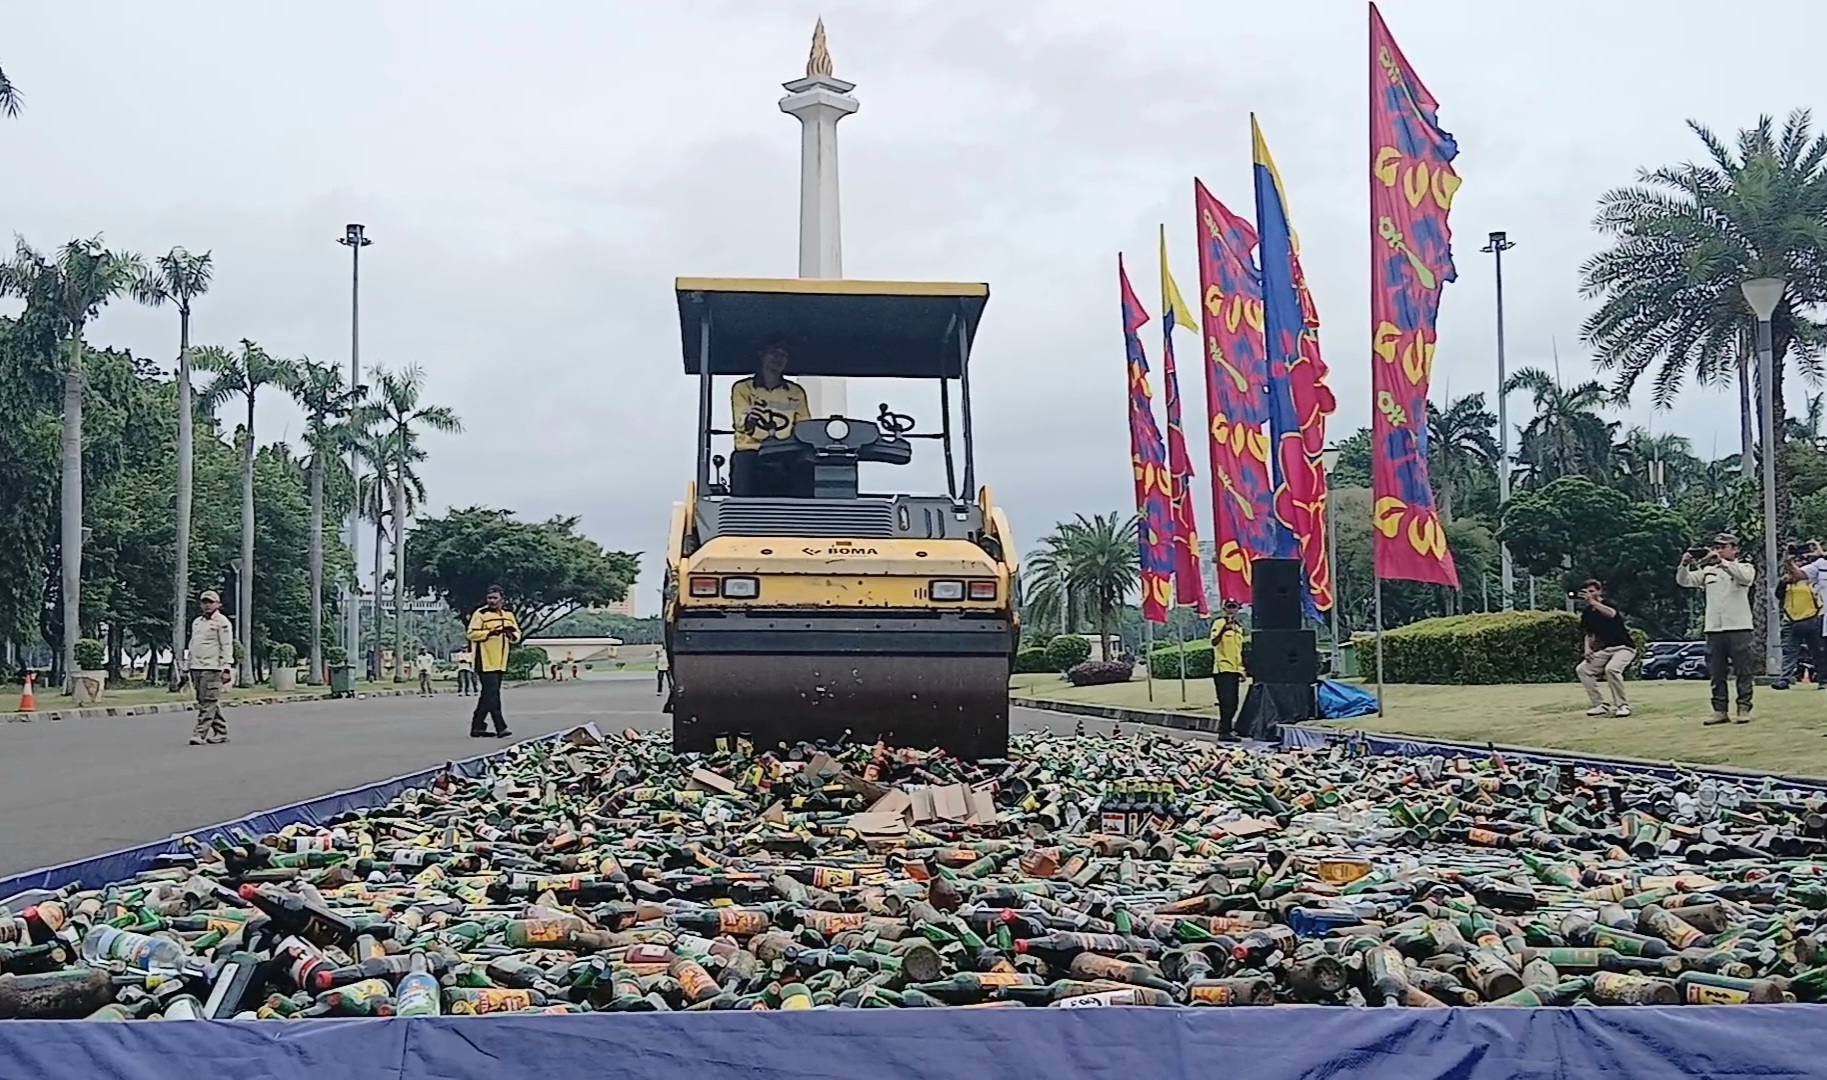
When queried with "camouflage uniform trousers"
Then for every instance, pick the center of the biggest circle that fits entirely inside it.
(211, 727)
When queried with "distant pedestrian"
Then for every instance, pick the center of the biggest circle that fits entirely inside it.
(424, 663)
(1729, 645)
(662, 667)
(1227, 666)
(466, 675)
(212, 662)
(1608, 651)
(574, 670)
(493, 630)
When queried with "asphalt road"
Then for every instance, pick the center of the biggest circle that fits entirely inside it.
(75, 788)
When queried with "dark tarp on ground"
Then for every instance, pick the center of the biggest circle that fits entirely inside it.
(1288, 1043)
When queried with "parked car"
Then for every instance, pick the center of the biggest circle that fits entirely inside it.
(1674, 660)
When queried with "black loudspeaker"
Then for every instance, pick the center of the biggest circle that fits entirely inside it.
(1284, 656)
(1275, 591)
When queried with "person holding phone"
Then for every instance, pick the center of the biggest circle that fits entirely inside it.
(493, 631)
(1608, 651)
(752, 402)
(1729, 642)
(1227, 666)
(1798, 596)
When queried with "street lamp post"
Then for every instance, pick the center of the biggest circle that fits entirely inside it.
(353, 239)
(1500, 243)
(1329, 457)
(1763, 294)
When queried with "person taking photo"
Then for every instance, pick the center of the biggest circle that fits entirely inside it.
(493, 631)
(1798, 597)
(1608, 651)
(1726, 583)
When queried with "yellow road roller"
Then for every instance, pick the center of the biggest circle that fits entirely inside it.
(800, 607)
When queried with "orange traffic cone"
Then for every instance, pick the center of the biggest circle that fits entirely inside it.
(28, 703)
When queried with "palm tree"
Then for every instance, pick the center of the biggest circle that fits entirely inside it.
(1652, 467)
(1687, 237)
(375, 448)
(1050, 595)
(1566, 436)
(179, 277)
(1460, 446)
(1808, 427)
(244, 374)
(401, 417)
(74, 287)
(10, 99)
(327, 402)
(1106, 561)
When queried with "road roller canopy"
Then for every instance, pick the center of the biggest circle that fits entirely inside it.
(832, 326)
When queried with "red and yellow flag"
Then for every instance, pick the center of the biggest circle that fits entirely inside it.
(1412, 184)
(1189, 584)
(1148, 456)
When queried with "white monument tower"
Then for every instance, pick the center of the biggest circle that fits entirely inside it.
(819, 101)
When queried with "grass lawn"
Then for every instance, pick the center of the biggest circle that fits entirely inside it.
(1786, 737)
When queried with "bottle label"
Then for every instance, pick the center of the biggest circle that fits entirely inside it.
(833, 922)
(1212, 995)
(1097, 1000)
(739, 922)
(489, 1000)
(545, 931)
(1700, 994)
(833, 877)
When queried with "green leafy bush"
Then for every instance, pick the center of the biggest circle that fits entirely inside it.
(1164, 662)
(1034, 662)
(285, 654)
(91, 655)
(1067, 651)
(336, 656)
(521, 661)
(1100, 673)
(1502, 647)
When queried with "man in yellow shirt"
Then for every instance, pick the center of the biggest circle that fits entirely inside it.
(1228, 636)
(752, 401)
(493, 630)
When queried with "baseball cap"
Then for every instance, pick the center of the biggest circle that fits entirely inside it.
(1725, 538)
(210, 596)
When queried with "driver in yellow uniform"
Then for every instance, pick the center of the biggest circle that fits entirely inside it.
(751, 400)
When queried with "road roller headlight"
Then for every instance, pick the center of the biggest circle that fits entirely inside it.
(983, 590)
(946, 590)
(837, 430)
(741, 588)
(704, 586)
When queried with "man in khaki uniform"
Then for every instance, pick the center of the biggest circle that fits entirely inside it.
(212, 663)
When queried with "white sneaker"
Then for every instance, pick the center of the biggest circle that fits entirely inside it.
(1599, 710)
(1621, 710)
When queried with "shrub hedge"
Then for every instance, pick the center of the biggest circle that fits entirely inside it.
(1099, 673)
(1502, 647)
(1164, 662)
(1034, 662)
(1067, 651)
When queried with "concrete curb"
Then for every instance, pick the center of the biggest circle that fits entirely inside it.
(98, 712)
(1180, 721)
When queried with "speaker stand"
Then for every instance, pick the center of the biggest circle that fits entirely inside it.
(1267, 706)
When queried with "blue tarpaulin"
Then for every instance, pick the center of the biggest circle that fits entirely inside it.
(1341, 701)
(1768, 1042)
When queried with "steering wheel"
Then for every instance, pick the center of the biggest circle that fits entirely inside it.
(770, 422)
(893, 424)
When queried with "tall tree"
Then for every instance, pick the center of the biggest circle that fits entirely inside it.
(243, 374)
(1460, 447)
(1686, 238)
(328, 402)
(374, 448)
(1105, 563)
(75, 286)
(1566, 436)
(402, 417)
(1050, 598)
(1656, 466)
(548, 569)
(179, 277)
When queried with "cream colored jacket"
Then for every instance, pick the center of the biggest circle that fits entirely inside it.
(212, 643)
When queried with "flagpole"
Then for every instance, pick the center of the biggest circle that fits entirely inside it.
(1180, 644)
(1379, 591)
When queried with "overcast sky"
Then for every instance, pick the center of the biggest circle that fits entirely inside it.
(534, 180)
